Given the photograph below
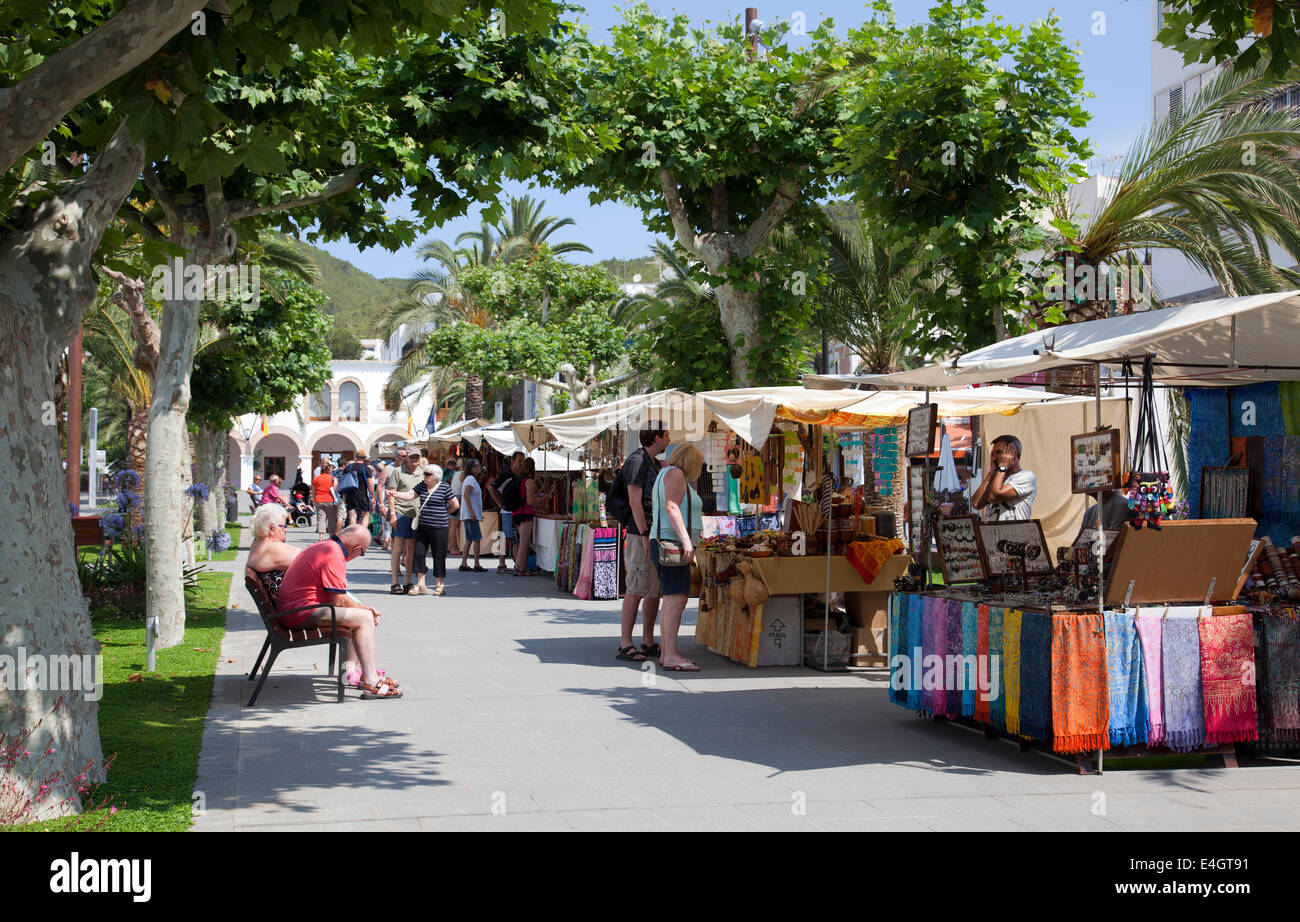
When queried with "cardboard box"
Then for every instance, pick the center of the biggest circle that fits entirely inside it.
(867, 609)
(779, 642)
(829, 646)
(868, 642)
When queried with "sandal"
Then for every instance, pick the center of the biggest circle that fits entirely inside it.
(386, 688)
(419, 590)
(463, 568)
(684, 667)
(651, 651)
(396, 590)
(439, 590)
(406, 590)
(478, 569)
(630, 654)
(352, 678)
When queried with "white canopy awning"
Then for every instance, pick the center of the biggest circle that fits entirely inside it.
(750, 412)
(452, 433)
(1210, 344)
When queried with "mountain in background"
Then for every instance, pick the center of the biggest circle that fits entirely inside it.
(624, 271)
(357, 300)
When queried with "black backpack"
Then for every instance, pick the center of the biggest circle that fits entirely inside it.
(616, 505)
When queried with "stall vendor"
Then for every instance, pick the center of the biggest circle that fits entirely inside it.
(1008, 490)
(1115, 513)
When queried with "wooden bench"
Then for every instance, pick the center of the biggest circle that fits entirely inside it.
(280, 638)
(86, 531)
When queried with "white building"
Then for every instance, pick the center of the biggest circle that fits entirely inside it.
(346, 416)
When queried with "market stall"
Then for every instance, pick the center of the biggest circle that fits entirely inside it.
(1141, 637)
(764, 453)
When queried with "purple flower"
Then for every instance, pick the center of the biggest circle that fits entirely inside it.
(137, 532)
(126, 479)
(111, 525)
(127, 500)
(199, 491)
(219, 540)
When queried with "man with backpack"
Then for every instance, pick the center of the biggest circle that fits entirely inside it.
(354, 487)
(505, 491)
(629, 502)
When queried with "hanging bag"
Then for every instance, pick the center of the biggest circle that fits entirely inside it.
(671, 551)
(1147, 488)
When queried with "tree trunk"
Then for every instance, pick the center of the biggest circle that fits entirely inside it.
(46, 286)
(517, 400)
(137, 429)
(739, 311)
(210, 460)
(473, 397)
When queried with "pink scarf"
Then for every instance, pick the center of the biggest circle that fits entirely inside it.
(1227, 662)
(1148, 627)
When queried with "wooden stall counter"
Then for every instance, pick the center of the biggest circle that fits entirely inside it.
(756, 618)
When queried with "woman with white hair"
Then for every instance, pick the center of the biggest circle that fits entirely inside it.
(269, 556)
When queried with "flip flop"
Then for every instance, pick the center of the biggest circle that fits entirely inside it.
(630, 654)
(396, 590)
(651, 651)
(685, 667)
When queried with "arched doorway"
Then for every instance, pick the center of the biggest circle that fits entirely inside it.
(339, 447)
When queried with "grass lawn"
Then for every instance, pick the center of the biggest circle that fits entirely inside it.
(154, 721)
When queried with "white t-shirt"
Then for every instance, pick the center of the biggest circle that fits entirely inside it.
(471, 506)
(1026, 486)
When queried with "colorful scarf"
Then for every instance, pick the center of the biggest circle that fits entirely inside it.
(899, 670)
(938, 646)
(605, 575)
(1281, 649)
(982, 651)
(1180, 652)
(867, 557)
(956, 679)
(969, 648)
(998, 706)
(1227, 678)
(915, 643)
(1149, 628)
(1128, 694)
(1036, 675)
(1080, 705)
(587, 570)
(1011, 666)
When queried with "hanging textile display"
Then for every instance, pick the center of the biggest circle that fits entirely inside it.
(1125, 673)
(605, 558)
(899, 603)
(884, 459)
(915, 644)
(1227, 644)
(1036, 675)
(587, 568)
(1011, 666)
(1080, 699)
(753, 480)
(969, 648)
(1180, 650)
(998, 706)
(982, 651)
(852, 445)
(1280, 685)
(1150, 626)
(792, 468)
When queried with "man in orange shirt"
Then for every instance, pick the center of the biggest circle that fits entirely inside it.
(326, 500)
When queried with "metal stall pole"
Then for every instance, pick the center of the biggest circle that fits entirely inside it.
(1101, 547)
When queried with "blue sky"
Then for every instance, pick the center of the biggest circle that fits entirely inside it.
(1115, 66)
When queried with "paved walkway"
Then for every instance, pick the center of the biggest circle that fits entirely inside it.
(517, 717)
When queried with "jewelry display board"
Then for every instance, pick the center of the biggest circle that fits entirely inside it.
(960, 556)
(992, 535)
(922, 422)
(1095, 461)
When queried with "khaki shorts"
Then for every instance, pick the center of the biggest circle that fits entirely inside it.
(642, 576)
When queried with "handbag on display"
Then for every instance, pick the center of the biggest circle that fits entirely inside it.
(671, 553)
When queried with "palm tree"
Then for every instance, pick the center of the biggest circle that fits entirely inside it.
(1215, 184)
(524, 234)
(866, 305)
(435, 296)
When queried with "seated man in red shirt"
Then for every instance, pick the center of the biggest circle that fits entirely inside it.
(318, 576)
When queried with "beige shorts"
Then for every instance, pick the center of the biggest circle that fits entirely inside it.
(642, 577)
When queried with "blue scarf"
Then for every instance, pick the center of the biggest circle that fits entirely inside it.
(1126, 676)
(1036, 675)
